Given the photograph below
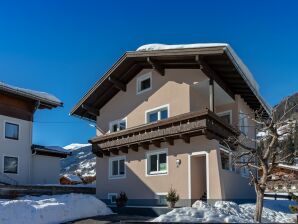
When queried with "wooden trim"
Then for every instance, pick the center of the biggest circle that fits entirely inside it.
(119, 85)
(8, 111)
(47, 153)
(179, 127)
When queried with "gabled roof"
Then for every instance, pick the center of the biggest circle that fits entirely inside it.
(45, 100)
(227, 66)
(54, 151)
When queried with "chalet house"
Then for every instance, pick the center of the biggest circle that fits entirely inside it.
(163, 114)
(21, 162)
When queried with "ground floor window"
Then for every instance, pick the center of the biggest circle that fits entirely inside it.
(117, 167)
(112, 197)
(161, 198)
(157, 162)
(10, 164)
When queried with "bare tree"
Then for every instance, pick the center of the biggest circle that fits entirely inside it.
(276, 142)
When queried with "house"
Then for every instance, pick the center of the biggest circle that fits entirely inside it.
(21, 162)
(284, 179)
(163, 114)
(70, 179)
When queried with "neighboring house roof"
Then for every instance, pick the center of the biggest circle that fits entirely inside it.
(45, 100)
(289, 167)
(54, 151)
(228, 67)
(72, 178)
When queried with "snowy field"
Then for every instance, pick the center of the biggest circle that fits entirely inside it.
(51, 209)
(229, 212)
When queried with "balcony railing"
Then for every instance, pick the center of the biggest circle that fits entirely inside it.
(184, 126)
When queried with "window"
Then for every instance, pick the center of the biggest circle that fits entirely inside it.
(112, 197)
(144, 83)
(118, 125)
(10, 164)
(11, 131)
(226, 116)
(243, 124)
(244, 171)
(157, 162)
(117, 167)
(157, 114)
(161, 198)
(225, 160)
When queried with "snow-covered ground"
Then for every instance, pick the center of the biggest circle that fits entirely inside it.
(228, 212)
(81, 161)
(51, 209)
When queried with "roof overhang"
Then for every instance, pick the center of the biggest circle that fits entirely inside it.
(49, 151)
(42, 100)
(221, 60)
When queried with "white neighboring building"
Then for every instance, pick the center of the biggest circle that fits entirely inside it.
(20, 161)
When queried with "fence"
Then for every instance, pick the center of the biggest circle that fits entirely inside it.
(10, 191)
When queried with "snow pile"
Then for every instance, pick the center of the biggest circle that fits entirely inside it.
(51, 209)
(30, 93)
(82, 161)
(223, 212)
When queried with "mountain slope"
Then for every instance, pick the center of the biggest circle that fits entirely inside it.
(81, 162)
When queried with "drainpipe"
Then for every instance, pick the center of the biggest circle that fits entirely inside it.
(211, 95)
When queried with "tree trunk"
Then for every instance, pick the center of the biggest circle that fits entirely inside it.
(259, 206)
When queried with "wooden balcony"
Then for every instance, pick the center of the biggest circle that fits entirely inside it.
(184, 126)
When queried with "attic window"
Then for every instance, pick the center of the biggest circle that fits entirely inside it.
(144, 83)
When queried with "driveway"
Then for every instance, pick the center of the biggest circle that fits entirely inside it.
(113, 219)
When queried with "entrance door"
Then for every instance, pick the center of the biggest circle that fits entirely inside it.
(198, 178)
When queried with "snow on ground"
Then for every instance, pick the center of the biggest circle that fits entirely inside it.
(225, 212)
(51, 209)
(81, 161)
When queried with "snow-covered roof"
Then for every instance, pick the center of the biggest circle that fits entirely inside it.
(75, 146)
(73, 178)
(242, 68)
(295, 168)
(51, 149)
(42, 97)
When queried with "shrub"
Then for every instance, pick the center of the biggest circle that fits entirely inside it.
(172, 197)
(121, 200)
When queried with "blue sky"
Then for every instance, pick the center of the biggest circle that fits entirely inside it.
(64, 47)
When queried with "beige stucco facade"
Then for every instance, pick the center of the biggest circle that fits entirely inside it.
(200, 171)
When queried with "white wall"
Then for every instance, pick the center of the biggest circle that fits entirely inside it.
(20, 148)
(45, 169)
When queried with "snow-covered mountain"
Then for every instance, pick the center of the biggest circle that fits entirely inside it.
(82, 161)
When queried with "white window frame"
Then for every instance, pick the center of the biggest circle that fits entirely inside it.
(110, 197)
(111, 123)
(142, 78)
(157, 197)
(243, 117)
(156, 173)
(3, 166)
(156, 109)
(227, 151)
(226, 112)
(111, 160)
(4, 128)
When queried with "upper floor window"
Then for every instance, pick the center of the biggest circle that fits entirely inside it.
(118, 125)
(117, 167)
(157, 162)
(10, 165)
(11, 131)
(157, 114)
(226, 116)
(243, 123)
(144, 83)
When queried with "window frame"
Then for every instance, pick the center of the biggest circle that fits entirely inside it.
(111, 160)
(158, 198)
(110, 195)
(139, 81)
(148, 163)
(3, 167)
(243, 117)
(12, 123)
(111, 123)
(226, 112)
(156, 109)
